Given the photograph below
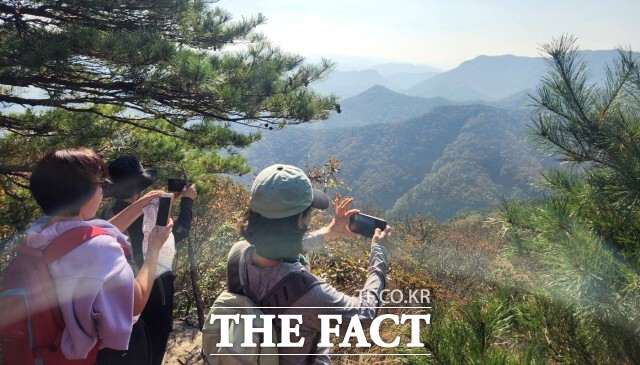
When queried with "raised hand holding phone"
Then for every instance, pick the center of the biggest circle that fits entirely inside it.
(164, 210)
(176, 185)
(158, 236)
(366, 225)
(382, 237)
(179, 185)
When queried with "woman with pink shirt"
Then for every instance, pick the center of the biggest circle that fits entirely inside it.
(99, 297)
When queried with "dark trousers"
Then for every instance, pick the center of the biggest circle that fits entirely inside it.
(158, 315)
(139, 352)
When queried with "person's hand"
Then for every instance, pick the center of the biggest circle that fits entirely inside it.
(190, 192)
(148, 197)
(382, 237)
(159, 236)
(339, 226)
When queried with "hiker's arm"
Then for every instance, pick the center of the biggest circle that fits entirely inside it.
(144, 280)
(182, 225)
(365, 305)
(338, 228)
(128, 215)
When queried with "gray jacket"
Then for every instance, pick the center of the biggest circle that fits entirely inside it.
(365, 306)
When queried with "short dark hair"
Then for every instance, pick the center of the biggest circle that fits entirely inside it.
(62, 181)
(276, 239)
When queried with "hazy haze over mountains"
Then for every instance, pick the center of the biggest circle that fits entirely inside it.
(486, 78)
(483, 78)
(351, 80)
(450, 143)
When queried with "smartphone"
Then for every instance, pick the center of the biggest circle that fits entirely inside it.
(176, 185)
(365, 225)
(164, 209)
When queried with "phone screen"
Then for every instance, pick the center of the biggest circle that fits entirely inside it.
(176, 185)
(164, 208)
(365, 224)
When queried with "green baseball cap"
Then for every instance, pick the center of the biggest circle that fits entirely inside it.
(282, 191)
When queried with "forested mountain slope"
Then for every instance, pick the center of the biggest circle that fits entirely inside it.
(450, 159)
(379, 105)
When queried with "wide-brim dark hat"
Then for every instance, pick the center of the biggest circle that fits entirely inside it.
(128, 177)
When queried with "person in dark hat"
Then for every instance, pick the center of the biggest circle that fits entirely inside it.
(130, 179)
(275, 232)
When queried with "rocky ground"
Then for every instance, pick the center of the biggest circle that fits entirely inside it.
(184, 344)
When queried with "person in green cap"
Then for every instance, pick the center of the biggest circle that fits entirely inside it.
(275, 229)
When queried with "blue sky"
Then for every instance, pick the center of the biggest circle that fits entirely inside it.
(440, 33)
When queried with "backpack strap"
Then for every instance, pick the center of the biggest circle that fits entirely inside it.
(289, 289)
(233, 270)
(63, 244)
(69, 240)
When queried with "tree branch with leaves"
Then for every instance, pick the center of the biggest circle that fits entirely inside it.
(160, 79)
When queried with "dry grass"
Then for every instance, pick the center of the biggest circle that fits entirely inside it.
(454, 260)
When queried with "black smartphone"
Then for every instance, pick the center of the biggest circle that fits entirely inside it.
(366, 225)
(176, 185)
(164, 209)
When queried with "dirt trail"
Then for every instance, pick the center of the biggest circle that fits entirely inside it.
(184, 345)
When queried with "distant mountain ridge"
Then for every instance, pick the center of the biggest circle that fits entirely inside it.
(393, 76)
(391, 68)
(484, 78)
(389, 165)
(491, 78)
(456, 146)
(349, 83)
(379, 105)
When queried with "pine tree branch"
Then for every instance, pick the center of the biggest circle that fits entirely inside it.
(624, 74)
(564, 54)
(17, 170)
(123, 120)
